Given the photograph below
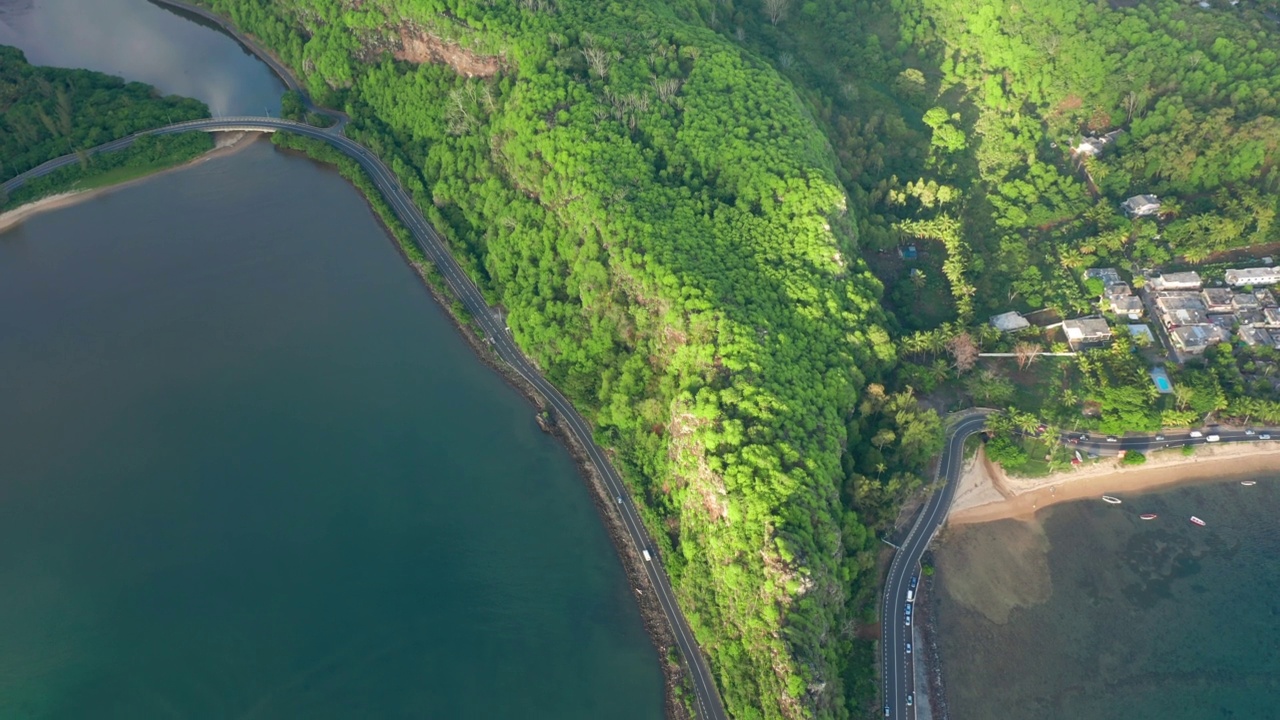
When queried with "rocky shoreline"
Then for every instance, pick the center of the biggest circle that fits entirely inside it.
(926, 612)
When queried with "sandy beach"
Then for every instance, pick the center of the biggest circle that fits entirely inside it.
(986, 494)
(224, 144)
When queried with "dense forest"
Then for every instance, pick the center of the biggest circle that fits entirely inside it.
(659, 214)
(50, 112)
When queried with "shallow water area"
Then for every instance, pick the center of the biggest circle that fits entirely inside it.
(1091, 612)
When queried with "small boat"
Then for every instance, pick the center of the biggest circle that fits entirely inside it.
(1197, 521)
(1112, 500)
(1248, 483)
(1149, 516)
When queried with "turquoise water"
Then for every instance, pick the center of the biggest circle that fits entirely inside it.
(249, 470)
(1145, 620)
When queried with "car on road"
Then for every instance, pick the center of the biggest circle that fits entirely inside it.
(1213, 438)
(914, 579)
(911, 697)
(1159, 438)
(1264, 436)
(886, 711)
(1084, 437)
(1250, 432)
(1197, 434)
(1112, 438)
(908, 648)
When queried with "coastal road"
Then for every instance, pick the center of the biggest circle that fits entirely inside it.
(1097, 444)
(493, 328)
(895, 632)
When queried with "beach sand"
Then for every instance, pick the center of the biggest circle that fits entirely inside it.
(223, 144)
(986, 494)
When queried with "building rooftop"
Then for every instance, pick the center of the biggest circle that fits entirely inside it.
(1010, 321)
(1253, 276)
(1254, 336)
(1245, 301)
(1108, 276)
(1217, 298)
(1195, 338)
(1179, 280)
(1141, 205)
(1185, 316)
(1086, 329)
(1169, 301)
(1126, 305)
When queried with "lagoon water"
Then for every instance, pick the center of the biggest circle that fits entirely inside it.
(1095, 614)
(248, 469)
(144, 42)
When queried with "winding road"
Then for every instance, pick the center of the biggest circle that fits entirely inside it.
(895, 631)
(491, 325)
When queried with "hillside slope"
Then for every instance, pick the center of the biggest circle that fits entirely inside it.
(661, 219)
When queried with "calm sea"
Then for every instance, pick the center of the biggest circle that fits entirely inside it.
(1103, 615)
(249, 470)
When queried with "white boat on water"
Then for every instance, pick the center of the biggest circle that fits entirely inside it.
(1197, 521)
(1248, 483)
(1112, 500)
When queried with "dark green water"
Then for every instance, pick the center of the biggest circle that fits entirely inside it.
(248, 470)
(144, 42)
(1155, 620)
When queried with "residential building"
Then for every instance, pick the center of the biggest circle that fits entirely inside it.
(1253, 276)
(1175, 281)
(1256, 337)
(1265, 297)
(1010, 321)
(1127, 305)
(1141, 205)
(1245, 301)
(1195, 339)
(1252, 318)
(1184, 316)
(1108, 276)
(1094, 145)
(1271, 317)
(1115, 290)
(1169, 301)
(1217, 300)
(1226, 322)
(1086, 332)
